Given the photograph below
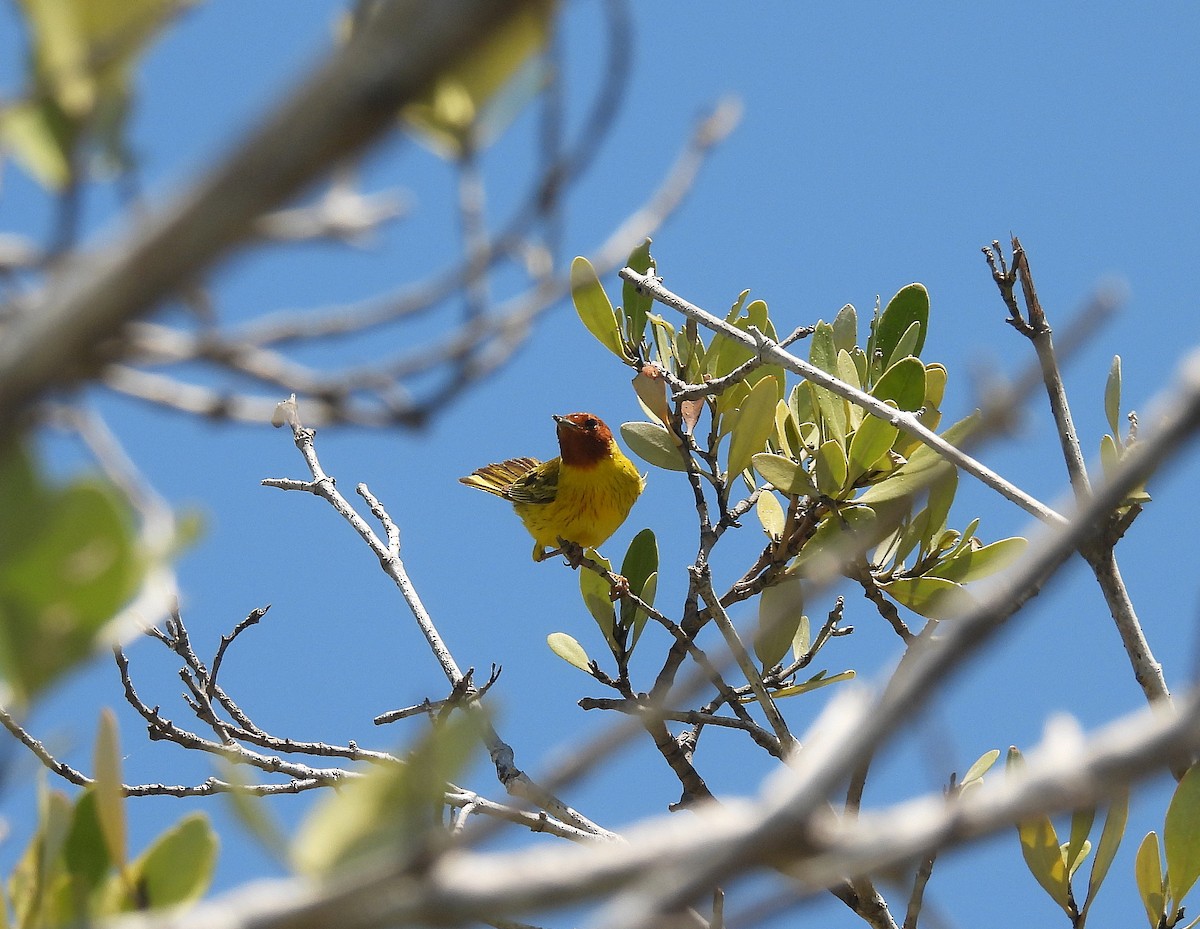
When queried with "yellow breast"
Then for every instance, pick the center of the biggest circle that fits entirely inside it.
(589, 505)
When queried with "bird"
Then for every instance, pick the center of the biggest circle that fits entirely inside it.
(582, 497)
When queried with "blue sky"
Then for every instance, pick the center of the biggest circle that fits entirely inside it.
(880, 144)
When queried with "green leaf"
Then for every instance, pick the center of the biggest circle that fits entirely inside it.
(845, 329)
(85, 852)
(1112, 396)
(393, 813)
(110, 799)
(831, 468)
(848, 372)
(649, 589)
(178, 867)
(923, 467)
(784, 475)
(971, 564)
(903, 383)
(823, 354)
(981, 766)
(1044, 858)
(652, 443)
(594, 309)
(780, 609)
(569, 650)
(1181, 837)
(908, 342)
(870, 446)
(1147, 872)
(1106, 851)
(770, 514)
(931, 597)
(753, 426)
(636, 303)
(41, 138)
(597, 597)
(639, 565)
(64, 576)
(910, 305)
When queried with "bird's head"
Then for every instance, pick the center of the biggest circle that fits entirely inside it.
(583, 439)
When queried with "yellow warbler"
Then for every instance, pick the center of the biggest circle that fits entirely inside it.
(582, 496)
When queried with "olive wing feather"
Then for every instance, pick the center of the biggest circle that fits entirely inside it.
(521, 480)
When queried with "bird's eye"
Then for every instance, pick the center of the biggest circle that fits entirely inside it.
(590, 423)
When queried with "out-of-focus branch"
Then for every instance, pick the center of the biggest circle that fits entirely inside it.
(56, 339)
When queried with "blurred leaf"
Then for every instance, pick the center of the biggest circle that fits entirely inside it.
(972, 564)
(1181, 837)
(1112, 396)
(753, 426)
(780, 609)
(110, 798)
(770, 514)
(653, 444)
(1106, 851)
(831, 469)
(640, 564)
(594, 308)
(911, 304)
(870, 445)
(903, 383)
(784, 475)
(637, 304)
(1147, 872)
(85, 852)
(597, 597)
(392, 814)
(931, 597)
(73, 565)
(814, 683)
(473, 99)
(845, 329)
(41, 139)
(569, 650)
(1044, 858)
(178, 867)
(838, 536)
(1073, 861)
(981, 766)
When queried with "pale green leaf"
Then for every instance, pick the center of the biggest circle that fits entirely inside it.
(981, 766)
(802, 641)
(637, 304)
(1043, 857)
(903, 383)
(597, 597)
(653, 444)
(831, 468)
(110, 799)
(870, 445)
(178, 867)
(845, 329)
(770, 514)
(922, 468)
(1106, 851)
(931, 597)
(1181, 837)
(784, 475)
(780, 609)
(1112, 396)
(1147, 872)
(569, 650)
(971, 564)
(594, 309)
(1078, 845)
(813, 683)
(753, 426)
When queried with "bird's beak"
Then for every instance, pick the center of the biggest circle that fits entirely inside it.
(563, 421)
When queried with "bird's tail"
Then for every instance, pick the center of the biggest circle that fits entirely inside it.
(498, 477)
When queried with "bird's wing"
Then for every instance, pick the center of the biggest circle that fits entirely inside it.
(500, 477)
(538, 485)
